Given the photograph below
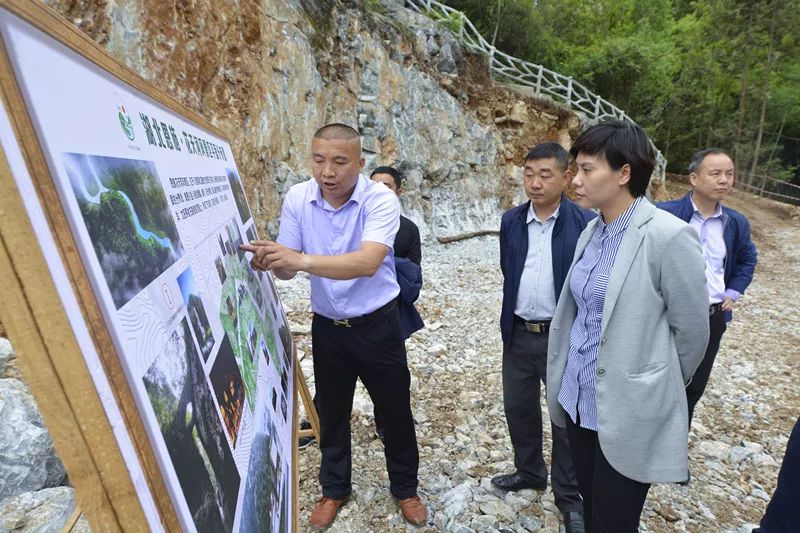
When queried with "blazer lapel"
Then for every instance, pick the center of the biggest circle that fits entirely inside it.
(625, 256)
(520, 237)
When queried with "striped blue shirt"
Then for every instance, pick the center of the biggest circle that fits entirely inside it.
(588, 285)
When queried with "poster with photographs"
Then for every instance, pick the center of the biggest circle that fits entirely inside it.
(158, 211)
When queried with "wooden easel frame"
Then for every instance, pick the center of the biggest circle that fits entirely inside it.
(308, 403)
(36, 321)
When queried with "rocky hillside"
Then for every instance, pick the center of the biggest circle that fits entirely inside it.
(270, 72)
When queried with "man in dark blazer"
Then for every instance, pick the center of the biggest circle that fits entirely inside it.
(729, 253)
(407, 266)
(537, 242)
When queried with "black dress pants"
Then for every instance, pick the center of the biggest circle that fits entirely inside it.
(524, 370)
(375, 353)
(612, 503)
(699, 381)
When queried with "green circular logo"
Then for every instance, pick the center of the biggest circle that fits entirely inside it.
(126, 123)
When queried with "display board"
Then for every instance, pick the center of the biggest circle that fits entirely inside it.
(137, 208)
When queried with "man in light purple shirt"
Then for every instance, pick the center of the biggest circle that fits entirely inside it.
(729, 253)
(340, 228)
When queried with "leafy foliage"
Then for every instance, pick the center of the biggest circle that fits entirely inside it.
(129, 262)
(693, 73)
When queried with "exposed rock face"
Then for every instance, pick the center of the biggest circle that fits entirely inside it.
(28, 461)
(270, 72)
(8, 360)
(38, 512)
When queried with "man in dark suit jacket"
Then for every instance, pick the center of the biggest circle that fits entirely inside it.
(730, 254)
(407, 256)
(537, 242)
(407, 242)
(408, 267)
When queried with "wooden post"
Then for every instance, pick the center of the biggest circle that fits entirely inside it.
(308, 403)
(569, 91)
(539, 80)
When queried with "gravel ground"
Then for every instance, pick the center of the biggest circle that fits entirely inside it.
(736, 444)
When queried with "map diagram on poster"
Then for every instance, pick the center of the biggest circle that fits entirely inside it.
(158, 211)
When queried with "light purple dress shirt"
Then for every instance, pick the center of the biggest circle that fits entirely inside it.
(309, 224)
(536, 299)
(711, 231)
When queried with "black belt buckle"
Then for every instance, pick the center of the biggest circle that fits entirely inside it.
(713, 309)
(537, 327)
(365, 319)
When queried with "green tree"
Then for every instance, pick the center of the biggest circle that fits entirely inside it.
(693, 73)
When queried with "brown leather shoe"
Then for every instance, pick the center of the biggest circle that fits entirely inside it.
(325, 512)
(414, 510)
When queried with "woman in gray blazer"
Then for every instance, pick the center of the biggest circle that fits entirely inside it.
(629, 330)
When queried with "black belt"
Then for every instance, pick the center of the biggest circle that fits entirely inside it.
(363, 319)
(713, 309)
(536, 326)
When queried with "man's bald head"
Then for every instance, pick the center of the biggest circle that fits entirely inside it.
(336, 161)
(337, 131)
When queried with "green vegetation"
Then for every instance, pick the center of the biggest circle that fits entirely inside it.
(129, 262)
(453, 22)
(129, 222)
(238, 330)
(145, 193)
(374, 6)
(693, 73)
(171, 388)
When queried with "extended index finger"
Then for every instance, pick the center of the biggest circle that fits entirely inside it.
(253, 246)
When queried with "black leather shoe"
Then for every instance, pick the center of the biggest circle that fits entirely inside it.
(573, 522)
(688, 480)
(514, 482)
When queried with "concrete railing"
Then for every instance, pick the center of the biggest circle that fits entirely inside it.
(543, 81)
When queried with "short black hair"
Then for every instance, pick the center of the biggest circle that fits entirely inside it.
(699, 157)
(548, 150)
(393, 172)
(337, 130)
(620, 143)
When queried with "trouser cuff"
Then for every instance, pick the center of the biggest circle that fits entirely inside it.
(336, 494)
(403, 494)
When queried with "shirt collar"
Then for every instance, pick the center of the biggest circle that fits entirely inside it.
(358, 193)
(717, 211)
(532, 215)
(620, 224)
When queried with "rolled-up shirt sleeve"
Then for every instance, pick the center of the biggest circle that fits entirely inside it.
(382, 220)
(290, 234)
